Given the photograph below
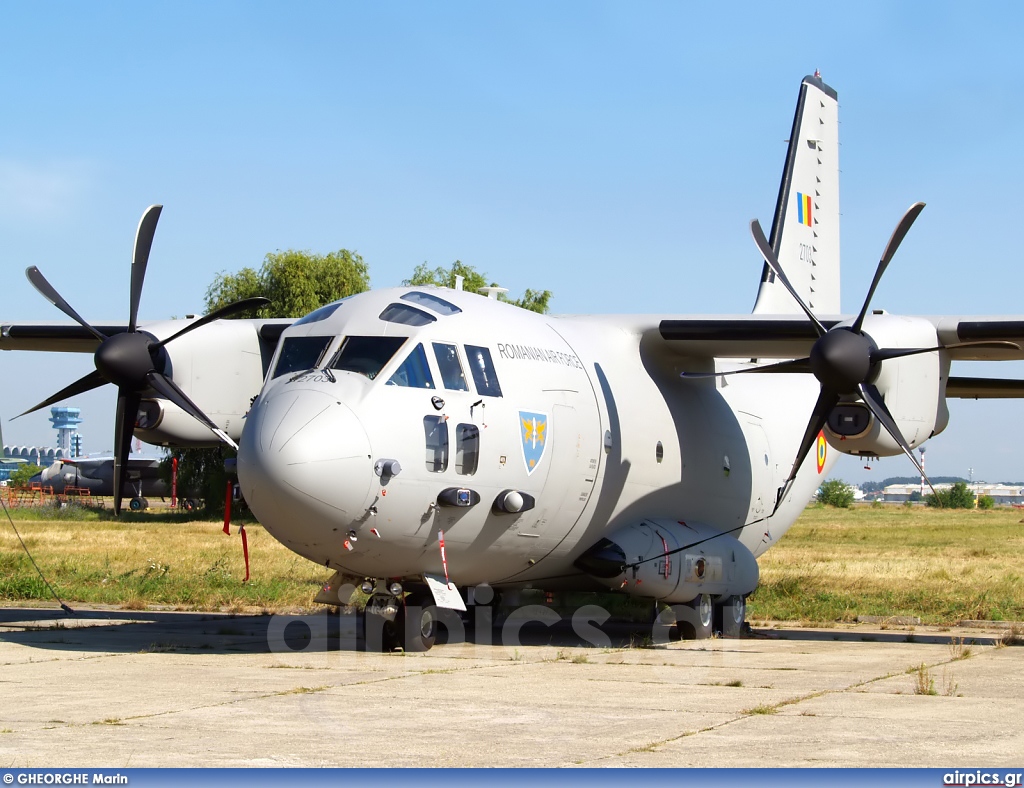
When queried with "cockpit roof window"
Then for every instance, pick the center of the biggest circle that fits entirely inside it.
(406, 315)
(439, 305)
(366, 355)
(299, 354)
(317, 315)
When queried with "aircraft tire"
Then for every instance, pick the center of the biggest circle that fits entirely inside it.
(416, 623)
(730, 617)
(378, 633)
(137, 504)
(698, 623)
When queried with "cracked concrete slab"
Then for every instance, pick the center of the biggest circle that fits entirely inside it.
(157, 688)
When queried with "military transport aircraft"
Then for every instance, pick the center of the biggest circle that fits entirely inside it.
(418, 440)
(96, 474)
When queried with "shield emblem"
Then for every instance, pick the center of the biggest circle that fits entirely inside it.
(533, 429)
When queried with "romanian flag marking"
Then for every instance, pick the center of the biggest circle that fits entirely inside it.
(803, 208)
(822, 451)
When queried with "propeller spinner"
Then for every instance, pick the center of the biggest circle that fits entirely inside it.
(134, 361)
(844, 359)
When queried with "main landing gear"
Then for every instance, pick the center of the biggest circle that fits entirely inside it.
(394, 619)
(704, 617)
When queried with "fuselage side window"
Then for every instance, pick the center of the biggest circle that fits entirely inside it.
(435, 430)
(482, 367)
(414, 371)
(451, 368)
(366, 355)
(299, 354)
(467, 448)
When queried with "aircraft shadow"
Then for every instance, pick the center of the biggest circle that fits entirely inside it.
(119, 631)
(126, 632)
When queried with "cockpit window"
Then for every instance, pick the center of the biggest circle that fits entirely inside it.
(366, 355)
(439, 305)
(482, 368)
(413, 372)
(317, 315)
(451, 368)
(406, 315)
(299, 354)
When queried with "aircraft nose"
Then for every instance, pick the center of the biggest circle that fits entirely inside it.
(304, 465)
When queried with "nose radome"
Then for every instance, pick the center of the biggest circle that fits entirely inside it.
(304, 463)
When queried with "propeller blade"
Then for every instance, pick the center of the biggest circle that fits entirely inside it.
(890, 249)
(827, 400)
(35, 276)
(238, 306)
(167, 389)
(885, 354)
(140, 258)
(796, 365)
(769, 257)
(91, 381)
(124, 428)
(873, 399)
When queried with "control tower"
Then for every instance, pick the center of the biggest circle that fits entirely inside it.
(66, 421)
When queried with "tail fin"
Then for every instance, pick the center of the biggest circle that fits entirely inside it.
(805, 232)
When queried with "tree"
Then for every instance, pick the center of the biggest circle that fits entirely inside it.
(986, 501)
(835, 492)
(473, 281)
(296, 283)
(959, 496)
(22, 476)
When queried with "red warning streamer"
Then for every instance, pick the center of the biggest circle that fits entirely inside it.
(245, 552)
(227, 509)
(444, 560)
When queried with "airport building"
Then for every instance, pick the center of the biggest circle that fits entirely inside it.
(1002, 494)
(69, 444)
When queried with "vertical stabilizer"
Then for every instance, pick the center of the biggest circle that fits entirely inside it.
(805, 231)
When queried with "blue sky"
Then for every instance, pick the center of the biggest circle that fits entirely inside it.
(610, 152)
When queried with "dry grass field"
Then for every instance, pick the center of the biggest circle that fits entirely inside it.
(834, 565)
(942, 565)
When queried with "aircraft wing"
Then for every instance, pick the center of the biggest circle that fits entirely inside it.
(790, 336)
(73, 338)
(87, 464)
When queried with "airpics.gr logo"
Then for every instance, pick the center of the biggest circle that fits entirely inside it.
(533, 429)
(822, 451)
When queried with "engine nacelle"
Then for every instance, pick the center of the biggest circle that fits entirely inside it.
(911, 387)
(220, 367)
(716, 564)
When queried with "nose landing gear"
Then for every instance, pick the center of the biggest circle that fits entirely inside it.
(392, 621)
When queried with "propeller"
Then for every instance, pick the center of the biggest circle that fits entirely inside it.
(844, 359)
(134, 361)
